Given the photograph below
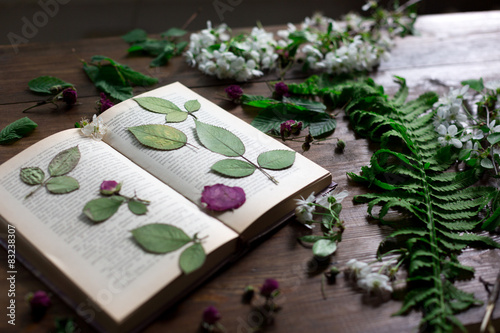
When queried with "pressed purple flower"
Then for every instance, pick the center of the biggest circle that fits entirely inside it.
(211, 315)
(290, 127)
(220, 197)
(104, 103)
(269, 286)
(109, 187)
(70, 96)
(281, 89)
(234, 92)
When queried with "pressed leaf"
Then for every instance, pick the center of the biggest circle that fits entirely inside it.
(161, 137)
(192, 105)
(137, 207)
(32, 175)
(176, 117)
(233, 168)
(62, 184)
(324, 247)
(219, 140)
(64, 162)
(158, 105)
(276, 159)
(192, 258)
(101, 209)
(48, 84)
(160, 238)
(16, 130)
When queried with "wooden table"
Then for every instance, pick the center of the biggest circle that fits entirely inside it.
(450, 48)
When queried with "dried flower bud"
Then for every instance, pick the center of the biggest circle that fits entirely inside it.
(234, 92)
(332, 273)
(39, 303)
(281, 89)
(290, 127)
(69, 95)
(109, 187)
(341, 144)
(306, 146)
(211, 315)
(269, 287)
(248, 294)
(104, 103)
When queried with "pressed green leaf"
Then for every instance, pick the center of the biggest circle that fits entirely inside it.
(137, 207)
(16, 130)
(62, 184)
(276, 159)
(161, 137)
(233, 168)
(48, 84)
(101, 209)
(324, 247)
(219, 140)
(134, 36)
(64, 162)
(32, 175)
(174, 32)
(192, 105)
(192, 258)
(160, 238)
(176, 117)
(158, 105)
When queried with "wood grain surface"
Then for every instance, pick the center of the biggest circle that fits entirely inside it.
(448, 49)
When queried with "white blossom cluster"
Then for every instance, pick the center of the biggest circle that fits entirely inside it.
(306, 207)
(96, 129)
(367, 280)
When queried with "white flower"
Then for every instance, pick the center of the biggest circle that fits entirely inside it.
(493, 128)
(305, 208)
(357, 269)
(338, 197)
(448, 136)
(492, 85)
(375, 282)
(95, 129)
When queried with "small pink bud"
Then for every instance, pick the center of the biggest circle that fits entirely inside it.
(109, 187)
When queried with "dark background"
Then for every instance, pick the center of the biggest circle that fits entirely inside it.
(64, 20)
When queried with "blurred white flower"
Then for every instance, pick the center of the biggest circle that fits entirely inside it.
(95, 129)
(448, 136)
(375, 282)
(357, 269)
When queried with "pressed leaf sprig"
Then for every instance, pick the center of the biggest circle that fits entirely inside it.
(173, 114)
(59, 90)
(164, 238)
(101, 209)
(59, 166)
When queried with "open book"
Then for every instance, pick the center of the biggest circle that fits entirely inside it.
(109, 279)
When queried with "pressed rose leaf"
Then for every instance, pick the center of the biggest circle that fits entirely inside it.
(48, 84)
(101, 209)
(32, 175)
(159, 136)
(62, 184)
(276, 159)
(176, 117)
(324, 247)
(233, 168)
(220, 197)
(16, 130)
(219, 140)
(192, 258)
(160, 238)
(137, 207)
(192, 105)
(156, 104)
(64, 162)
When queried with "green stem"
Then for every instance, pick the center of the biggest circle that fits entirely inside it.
(271, 178)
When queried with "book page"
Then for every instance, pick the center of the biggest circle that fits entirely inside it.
(187, 169)
(101, 258)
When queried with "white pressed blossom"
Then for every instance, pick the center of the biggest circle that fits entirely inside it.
(95, 129)
(448, 136)
(357, 269)
(375, 282)
(305, 208)
(454, 96)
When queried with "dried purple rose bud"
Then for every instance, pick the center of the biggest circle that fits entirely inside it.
(109, 187)
(281, 89)
(220, 197)
(104, 103)
(211, 315)
(69, 95)
(290, 127)
(234, 92)
(248, 294)
(39, 303)
(269, 287)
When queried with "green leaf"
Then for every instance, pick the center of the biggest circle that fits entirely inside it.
(64, 162)
(192, 106)
(16, 130)
(32, 175)
(134, 36)
(219, 140)
(158, 105)
(233, 168)
(476, 85)
(101, 209)
(137, 207)
(48, 84)
(62, 184)
(486, 163)
(160, 238)
(322, 124)
(192, 258)
(311, 238)
(324, 247)
(493, 138)
(118, 92)
(136, 78)
(174, 32)
(161, 137)
(176, 117)
(276, 159)
(305, 104)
